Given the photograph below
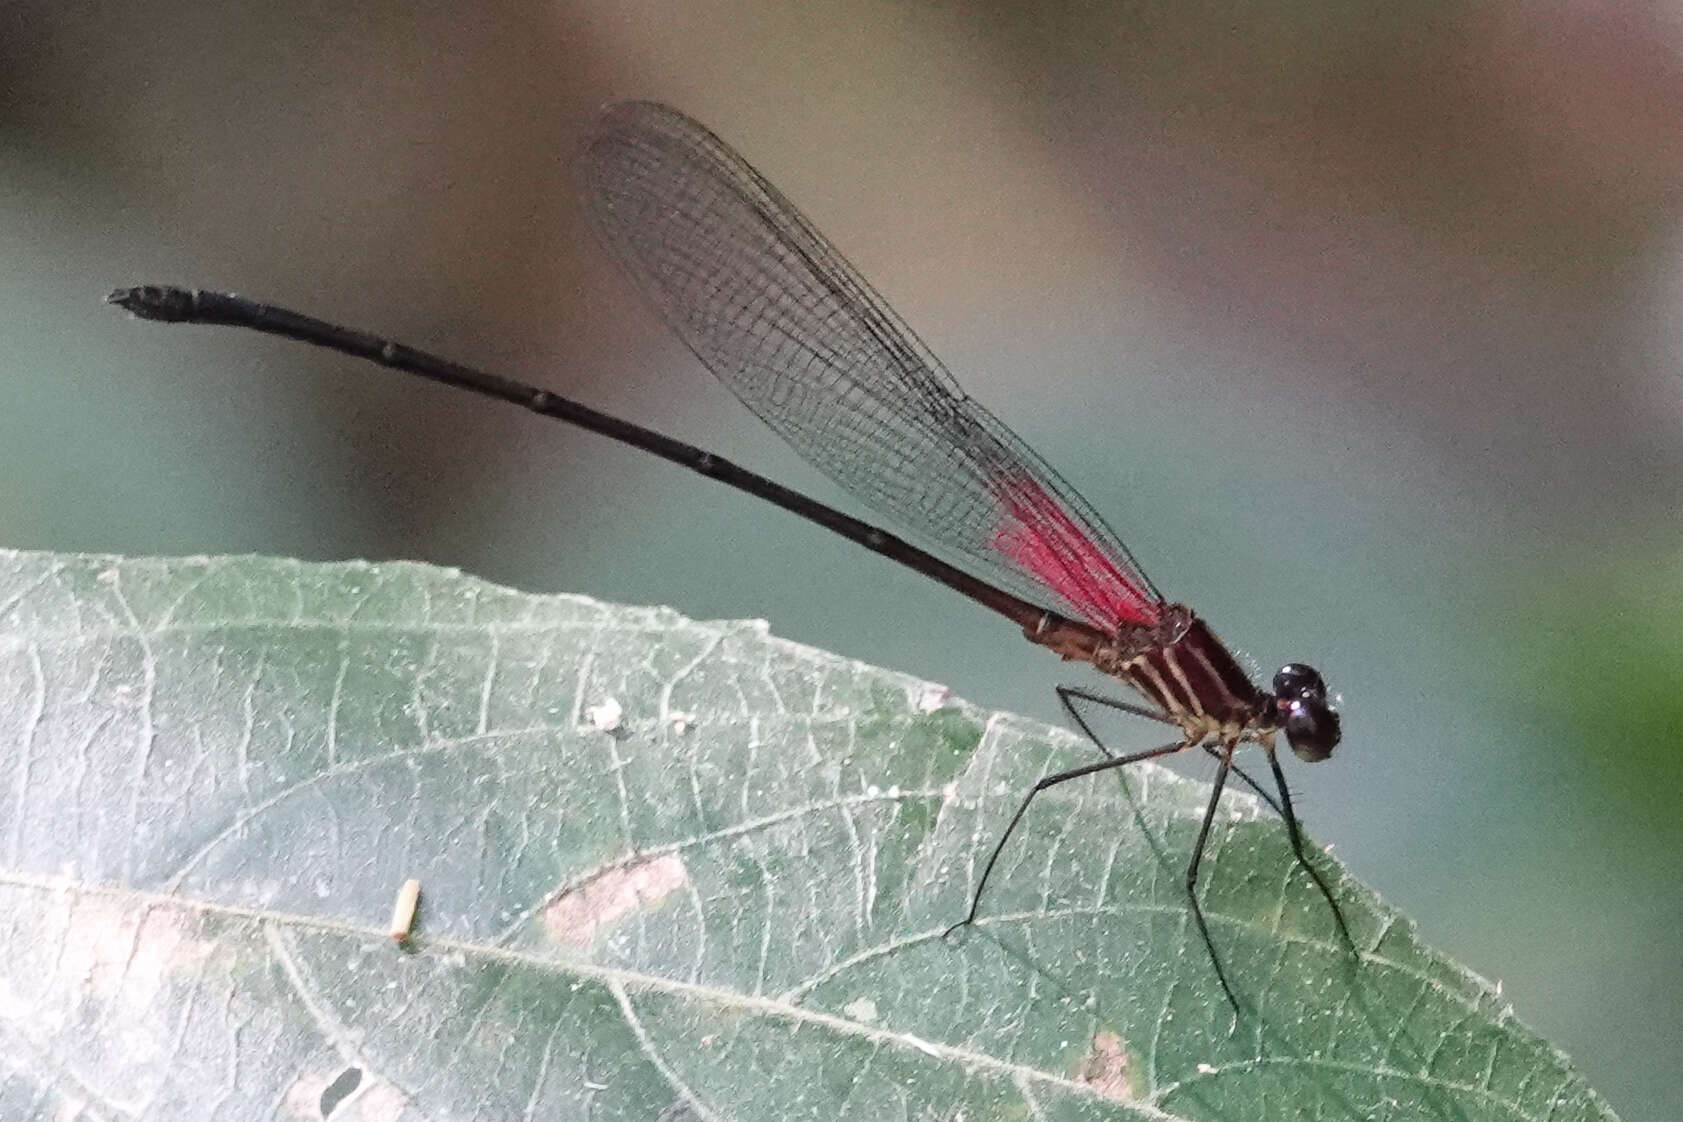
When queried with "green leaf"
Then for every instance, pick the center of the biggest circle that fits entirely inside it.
(219, 771)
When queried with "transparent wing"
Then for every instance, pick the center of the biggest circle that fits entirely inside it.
(772, 309)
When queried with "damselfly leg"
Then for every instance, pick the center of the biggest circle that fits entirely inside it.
(1070, 698)
(1220, 781)
(1051, 781)
(1069, 695)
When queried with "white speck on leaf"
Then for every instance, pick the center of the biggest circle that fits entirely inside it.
(607, 716)
(403, 910)
(929, 697)
(863, 1010)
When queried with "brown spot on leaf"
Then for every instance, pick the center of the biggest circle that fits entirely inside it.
(128, 952)
(1105, 1069)
(575, 916)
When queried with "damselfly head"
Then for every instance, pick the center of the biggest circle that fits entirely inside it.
(1310, 724)
(1297, 680)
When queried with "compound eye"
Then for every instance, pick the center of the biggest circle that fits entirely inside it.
(1295, 680)
(1312, 730)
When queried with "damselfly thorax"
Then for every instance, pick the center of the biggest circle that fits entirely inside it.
(1189, 678)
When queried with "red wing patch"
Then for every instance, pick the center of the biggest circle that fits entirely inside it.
(1046, 542)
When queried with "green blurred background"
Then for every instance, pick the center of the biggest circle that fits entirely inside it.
(1361, 323)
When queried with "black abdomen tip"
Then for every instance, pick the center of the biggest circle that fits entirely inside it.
(152, 301)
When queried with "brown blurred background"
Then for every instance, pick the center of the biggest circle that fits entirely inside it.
(1361, 324)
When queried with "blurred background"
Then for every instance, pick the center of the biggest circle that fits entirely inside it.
(1361, 324)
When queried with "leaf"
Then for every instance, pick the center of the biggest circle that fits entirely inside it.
(219, 771)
